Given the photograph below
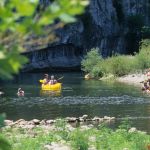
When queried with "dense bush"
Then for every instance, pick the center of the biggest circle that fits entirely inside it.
(144, 54)
(117, 65)
(4, 145)
(91, 60)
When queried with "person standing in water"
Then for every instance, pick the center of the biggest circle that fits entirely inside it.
(20, 92)
(1, 92)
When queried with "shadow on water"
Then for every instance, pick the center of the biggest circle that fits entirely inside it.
(78, 97)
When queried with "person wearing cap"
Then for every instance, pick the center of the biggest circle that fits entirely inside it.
(20, 92)
(52, 80)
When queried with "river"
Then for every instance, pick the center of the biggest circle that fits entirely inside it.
(78, 97)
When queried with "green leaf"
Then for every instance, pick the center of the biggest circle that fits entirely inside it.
(67, 18)
(54, 7)
(4, 145)
(2, 55)
(2, 117)
(25, 8)
(45, 20)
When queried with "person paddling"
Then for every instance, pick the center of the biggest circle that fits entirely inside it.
(52, 80)
(20, 92)
(46, 79)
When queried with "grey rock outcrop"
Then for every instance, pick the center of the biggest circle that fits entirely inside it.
(106, 24)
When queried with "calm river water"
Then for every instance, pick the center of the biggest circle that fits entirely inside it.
(78, 97)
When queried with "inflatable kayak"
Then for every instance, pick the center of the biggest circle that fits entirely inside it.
(49, 87)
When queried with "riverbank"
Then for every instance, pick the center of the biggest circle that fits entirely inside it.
(133, 79)
(59, 134)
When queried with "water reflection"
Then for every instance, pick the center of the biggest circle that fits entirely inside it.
(50, 93)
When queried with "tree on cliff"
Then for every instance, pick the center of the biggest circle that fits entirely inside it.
(21, 20)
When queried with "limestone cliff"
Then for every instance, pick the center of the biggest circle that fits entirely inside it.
(111, 25)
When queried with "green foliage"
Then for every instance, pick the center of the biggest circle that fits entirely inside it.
(2, 117)
(21, 19)
(117, 65)
(79, 140)
(91, 59)
(101, 138)
(61, 128)
(4, 145)
(143, 57)
(125, 124)
(121, 65)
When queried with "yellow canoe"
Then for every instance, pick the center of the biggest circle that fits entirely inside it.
(48, 87)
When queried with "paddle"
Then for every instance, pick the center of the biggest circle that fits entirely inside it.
(60, 78)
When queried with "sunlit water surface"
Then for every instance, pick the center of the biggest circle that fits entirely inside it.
(78, 97)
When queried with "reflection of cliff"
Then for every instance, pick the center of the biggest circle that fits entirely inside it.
(111, 25)
(62, 57)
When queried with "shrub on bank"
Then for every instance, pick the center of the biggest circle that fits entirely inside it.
(81, 138)
(117, 65)
(91, 60)
(144, 55)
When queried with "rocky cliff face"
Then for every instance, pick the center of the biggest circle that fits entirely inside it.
(111, 25)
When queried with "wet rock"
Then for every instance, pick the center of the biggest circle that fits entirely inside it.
(71, 119)
(43, 122)
(107, 118)
(50, 121)
(88, 76)
(8, 122)
(36, 121)
(20, 123)
(81, 119)
(113, 118)
(98, 119)
(84, 117)
(133, 129)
